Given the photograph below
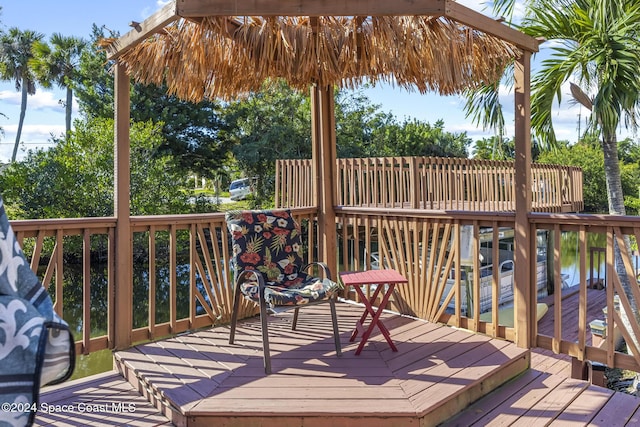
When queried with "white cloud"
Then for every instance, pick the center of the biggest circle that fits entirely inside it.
(30, 132)
(39, 101)
(150, 10)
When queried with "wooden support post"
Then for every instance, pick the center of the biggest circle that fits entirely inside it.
(524, 276)
(120, 302)
(324, 171)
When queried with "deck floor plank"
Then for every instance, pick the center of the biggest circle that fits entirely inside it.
(553, 404)
(583, 409)
(617, 412)
(83, 402)
(376, 384)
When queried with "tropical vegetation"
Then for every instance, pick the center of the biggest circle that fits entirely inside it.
(16, 50)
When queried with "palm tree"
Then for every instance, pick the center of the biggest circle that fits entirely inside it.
(15, 53)
(595, 46)
(58, 63)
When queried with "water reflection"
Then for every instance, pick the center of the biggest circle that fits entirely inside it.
(570, 257)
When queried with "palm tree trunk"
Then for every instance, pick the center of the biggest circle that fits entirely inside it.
(67, 112)
(615, 198)
(23, 110)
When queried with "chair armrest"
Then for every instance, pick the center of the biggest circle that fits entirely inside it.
(324, 267)
(245, 274)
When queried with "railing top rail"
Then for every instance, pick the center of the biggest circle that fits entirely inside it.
(422, 213)
(600, 220)
(62, 223)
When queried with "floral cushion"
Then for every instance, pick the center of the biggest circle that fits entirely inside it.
(270, 243)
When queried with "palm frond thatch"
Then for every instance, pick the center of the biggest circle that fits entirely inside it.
(220, 57)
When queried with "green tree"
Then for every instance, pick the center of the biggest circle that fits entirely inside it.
(358, 125)
(94, 81)
(58, 63)
(587, 155)
(272, 124)
(16, 49)
(415, 137)
(190, 130)
(494, 148)
(74, 178)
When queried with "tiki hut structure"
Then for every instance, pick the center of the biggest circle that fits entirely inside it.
(228, 48)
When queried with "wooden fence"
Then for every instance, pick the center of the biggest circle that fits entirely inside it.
(432, 183)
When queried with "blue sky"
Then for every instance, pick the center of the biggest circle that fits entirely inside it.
(45, 114)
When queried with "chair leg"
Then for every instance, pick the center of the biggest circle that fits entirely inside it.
(294, 322)
(234, 313)
(336, 331)
(266, 354)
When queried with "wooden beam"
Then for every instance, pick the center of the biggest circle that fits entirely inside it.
(524, 275)
(151, 25)
(188, 8)
(324, 143)
(480, 22)
(122, 211)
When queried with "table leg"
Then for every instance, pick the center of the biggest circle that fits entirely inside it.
(376, 320)
(368, 309)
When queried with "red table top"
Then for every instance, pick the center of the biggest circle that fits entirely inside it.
(370, 277)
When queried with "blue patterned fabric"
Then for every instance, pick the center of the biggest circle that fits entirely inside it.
(270, 243)
(36, 347)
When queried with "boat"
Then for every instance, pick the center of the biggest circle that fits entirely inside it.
(486, 263)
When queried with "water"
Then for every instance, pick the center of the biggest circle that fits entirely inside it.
(570, 257)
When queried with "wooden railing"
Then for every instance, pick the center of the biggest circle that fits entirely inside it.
(432, 183)
(59, 248)
(586, 237)
(429, 249)
(181, 280)
(180, 276)
(434, 251)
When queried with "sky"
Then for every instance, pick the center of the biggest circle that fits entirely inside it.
(45, 112)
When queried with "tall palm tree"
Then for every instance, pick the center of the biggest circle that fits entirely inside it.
(15, 53)
(58, 63)
(594, 45)
(598, 44)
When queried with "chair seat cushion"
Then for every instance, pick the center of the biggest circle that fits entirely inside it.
(307, 290)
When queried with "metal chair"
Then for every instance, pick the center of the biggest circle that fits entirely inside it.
(269, 271)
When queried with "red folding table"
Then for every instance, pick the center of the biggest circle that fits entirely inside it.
(385, 281)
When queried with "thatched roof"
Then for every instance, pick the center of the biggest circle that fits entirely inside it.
(223, 57)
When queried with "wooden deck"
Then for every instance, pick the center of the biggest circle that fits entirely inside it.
(199, 379)
(436, 373)
(103, 399)
(596, 301)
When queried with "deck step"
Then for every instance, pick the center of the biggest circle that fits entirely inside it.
(105, 399)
